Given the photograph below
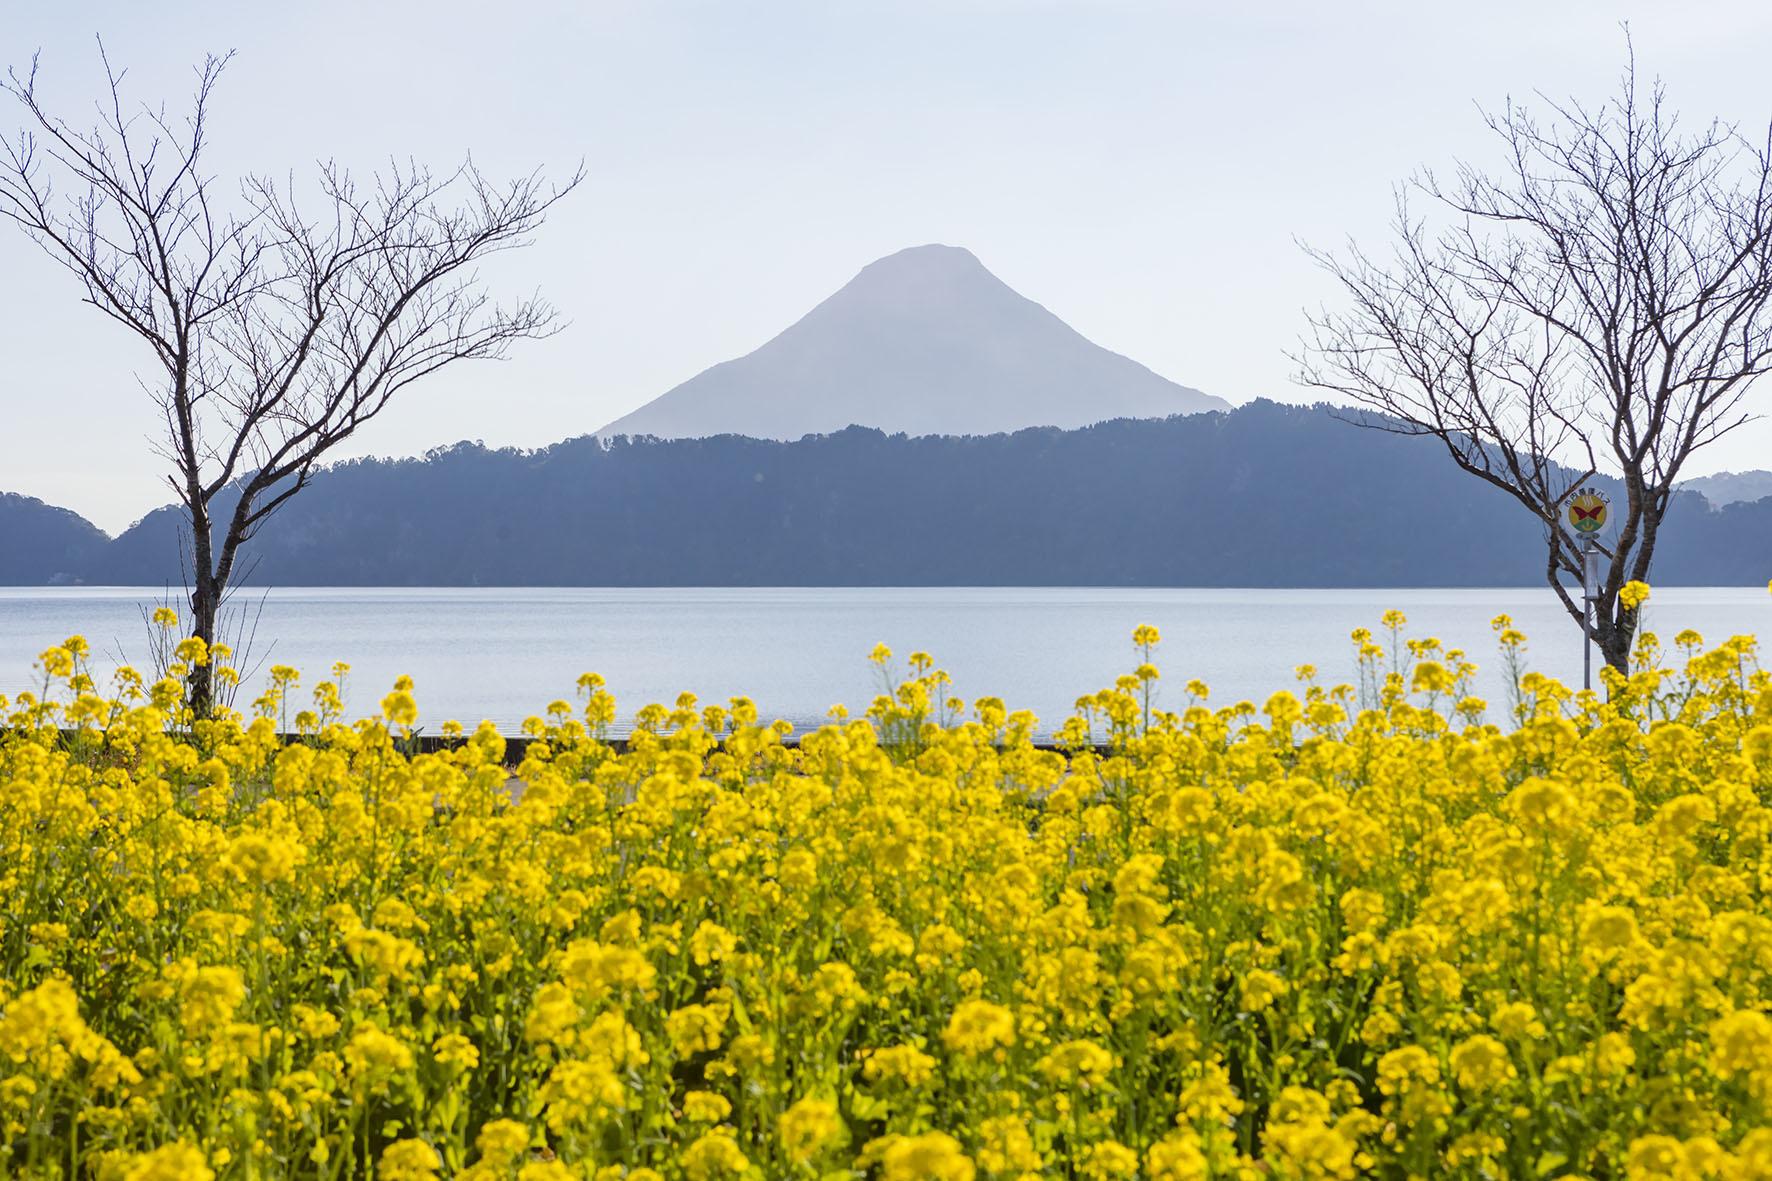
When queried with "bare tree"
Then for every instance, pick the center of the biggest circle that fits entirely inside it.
(276, 331)
(1601, 305)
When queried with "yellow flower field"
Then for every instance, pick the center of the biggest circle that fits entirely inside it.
(1379, 928)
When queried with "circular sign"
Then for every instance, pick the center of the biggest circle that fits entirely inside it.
(1587, 511)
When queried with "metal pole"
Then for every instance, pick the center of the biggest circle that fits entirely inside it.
(1587, 612)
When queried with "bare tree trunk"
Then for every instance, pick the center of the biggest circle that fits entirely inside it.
(205, 607)
(1615, 645)
(1612, 638)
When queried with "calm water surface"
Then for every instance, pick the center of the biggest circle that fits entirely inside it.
(503, 654)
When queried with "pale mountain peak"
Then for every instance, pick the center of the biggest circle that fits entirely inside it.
(923, 341)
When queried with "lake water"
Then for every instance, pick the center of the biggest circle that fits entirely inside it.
(504, 654)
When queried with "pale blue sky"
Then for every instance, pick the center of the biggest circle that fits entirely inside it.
(1142, 169)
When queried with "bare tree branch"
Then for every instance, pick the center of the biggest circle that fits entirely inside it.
(276, 333)
(1601, 305)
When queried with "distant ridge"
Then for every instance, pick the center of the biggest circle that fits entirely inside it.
(1732, 487)
(925, 342)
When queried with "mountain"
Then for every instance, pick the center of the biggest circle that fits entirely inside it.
(1731, 487)
(43, 544)
(924, 342)
(1264, 495)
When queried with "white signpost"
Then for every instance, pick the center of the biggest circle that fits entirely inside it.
(1586, 515)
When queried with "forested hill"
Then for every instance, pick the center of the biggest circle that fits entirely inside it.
(40, 543)
(1265, 495)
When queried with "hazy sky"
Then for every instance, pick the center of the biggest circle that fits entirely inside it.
(1142, 169)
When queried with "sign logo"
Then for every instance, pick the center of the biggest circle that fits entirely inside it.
(1587, 511)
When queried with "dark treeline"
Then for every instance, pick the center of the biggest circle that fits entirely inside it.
(1266, 495)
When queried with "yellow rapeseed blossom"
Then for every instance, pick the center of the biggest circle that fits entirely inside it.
(933, 1156)
(1355, 929)
(978, 1027)
(706, 1107)
(808, 1127)
(1481, 1063)
(177, 1161)
(714, 1155)
(409, 1160)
